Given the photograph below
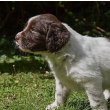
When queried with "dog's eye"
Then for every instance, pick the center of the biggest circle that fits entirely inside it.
(34, 32)
(33, 28)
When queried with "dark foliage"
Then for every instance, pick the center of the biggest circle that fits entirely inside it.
(90, 18)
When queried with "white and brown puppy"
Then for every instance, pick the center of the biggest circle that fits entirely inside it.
(77, 61)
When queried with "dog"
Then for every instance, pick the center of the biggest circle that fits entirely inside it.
(77, 61)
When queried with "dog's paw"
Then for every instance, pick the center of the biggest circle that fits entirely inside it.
(52, 106)
(107, 95)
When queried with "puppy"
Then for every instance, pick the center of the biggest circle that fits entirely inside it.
(77, 61)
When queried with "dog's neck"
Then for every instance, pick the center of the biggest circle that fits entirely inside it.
(75, 42)
(72, 47)
(75, 34)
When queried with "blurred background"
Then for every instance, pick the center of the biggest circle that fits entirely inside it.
(87, 18)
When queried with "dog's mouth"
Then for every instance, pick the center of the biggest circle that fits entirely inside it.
(19, 45)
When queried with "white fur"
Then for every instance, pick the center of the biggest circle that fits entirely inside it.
(83, 63)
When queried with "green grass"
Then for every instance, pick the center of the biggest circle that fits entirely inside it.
(24, 91)
(33, 91)
(26, 84)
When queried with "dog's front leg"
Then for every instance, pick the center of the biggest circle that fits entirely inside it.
(95, 95)
(61, 95)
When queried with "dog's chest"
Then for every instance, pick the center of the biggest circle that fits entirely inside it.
(61, 67)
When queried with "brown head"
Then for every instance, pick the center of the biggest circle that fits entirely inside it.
(42, 33)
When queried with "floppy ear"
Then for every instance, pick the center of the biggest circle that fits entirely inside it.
(57, 37)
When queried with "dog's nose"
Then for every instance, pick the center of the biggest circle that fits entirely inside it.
(16, 37)
(16, 40)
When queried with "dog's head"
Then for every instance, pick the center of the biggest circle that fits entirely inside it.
(42, 33)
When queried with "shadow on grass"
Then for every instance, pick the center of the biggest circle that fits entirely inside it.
(79, 104)
(83, 104)
(23, 65)
(13, 61)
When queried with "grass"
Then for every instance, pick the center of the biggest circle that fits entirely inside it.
(26, 84)
(32, 91)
